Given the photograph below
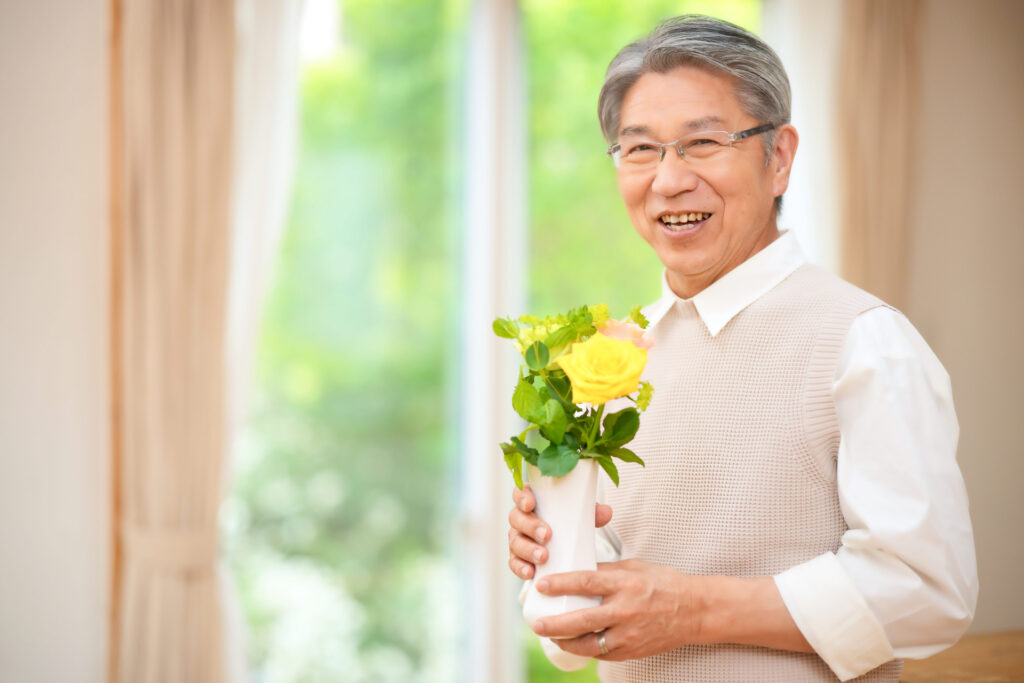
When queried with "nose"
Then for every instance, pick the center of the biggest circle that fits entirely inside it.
(674, 175)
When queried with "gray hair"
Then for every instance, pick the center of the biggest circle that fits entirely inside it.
(762, 86)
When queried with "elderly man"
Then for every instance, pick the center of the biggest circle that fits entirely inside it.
(801, 516)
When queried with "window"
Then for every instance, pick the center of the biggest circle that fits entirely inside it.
(341, 523)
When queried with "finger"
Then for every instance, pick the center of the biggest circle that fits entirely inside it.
(577, 646)
(525, 549)
(631, 564)
(579, 583)
(602, 515)
(572, 624)
(589, 645)
(523, 570)
(529, 525)
(523, 498)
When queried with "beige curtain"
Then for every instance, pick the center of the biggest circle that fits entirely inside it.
(177, 62)
(877, 85)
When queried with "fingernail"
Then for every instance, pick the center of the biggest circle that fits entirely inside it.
(542, 586)
(542, 533)
(538, 626)
(537, 554)
(525, 572)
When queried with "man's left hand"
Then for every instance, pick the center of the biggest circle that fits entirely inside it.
(646, 609)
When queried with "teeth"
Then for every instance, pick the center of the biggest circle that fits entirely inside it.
(684, 218)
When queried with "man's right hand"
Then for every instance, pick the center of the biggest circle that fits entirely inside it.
(528, 533)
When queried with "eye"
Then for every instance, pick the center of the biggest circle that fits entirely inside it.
(702, 146)
(639, 148)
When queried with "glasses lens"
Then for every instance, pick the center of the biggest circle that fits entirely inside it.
(704, 144)
(640, 153)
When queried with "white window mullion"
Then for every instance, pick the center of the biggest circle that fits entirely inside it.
(493, 265)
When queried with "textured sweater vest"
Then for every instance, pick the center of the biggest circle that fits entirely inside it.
(740, 444)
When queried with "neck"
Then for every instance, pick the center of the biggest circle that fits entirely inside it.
(688, 286)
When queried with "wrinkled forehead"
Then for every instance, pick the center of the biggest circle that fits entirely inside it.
(680, 101)
(710, 122)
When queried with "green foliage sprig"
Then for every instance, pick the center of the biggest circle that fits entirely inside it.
(567, 431)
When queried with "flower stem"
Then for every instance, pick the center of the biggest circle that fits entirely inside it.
(592, 436)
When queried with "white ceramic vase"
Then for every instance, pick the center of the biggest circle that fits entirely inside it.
(566, 504)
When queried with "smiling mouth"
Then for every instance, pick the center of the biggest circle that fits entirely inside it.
(683, 221)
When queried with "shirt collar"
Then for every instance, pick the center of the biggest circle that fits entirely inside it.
(743, 285)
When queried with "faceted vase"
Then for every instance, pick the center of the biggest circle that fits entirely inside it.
(566, 504)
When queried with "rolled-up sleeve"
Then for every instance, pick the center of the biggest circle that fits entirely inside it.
(904, 581)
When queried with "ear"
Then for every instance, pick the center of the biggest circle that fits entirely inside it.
(786, 141)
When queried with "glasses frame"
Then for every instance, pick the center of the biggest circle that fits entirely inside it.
(614, 150)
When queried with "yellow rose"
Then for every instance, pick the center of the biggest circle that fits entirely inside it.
(601, 369)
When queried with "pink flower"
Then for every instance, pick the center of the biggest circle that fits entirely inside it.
(628, 332)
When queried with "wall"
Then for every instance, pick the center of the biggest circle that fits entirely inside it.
(966, 276)
(54, 522)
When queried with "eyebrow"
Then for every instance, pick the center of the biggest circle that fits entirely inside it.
(696, 124)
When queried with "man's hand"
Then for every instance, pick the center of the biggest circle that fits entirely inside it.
(647, 609)
(528, 533)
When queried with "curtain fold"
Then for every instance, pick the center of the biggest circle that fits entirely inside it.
(877, 108)
(178, 73)
(205, 117)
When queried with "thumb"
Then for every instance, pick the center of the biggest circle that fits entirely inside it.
(602, 515)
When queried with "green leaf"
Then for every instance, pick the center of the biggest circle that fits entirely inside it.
(525, 399)
(561, 389)
(599, 314)
(608, 466)
(555, 421)
(644, 396)
(619, 428)
(637, 316)
(506, 328)
(626, 455)
(514, 462)
(560, 337)
(530, 454)
(537, 356)
(556, 461)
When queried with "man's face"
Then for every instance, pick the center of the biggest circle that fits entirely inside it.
(735, 187)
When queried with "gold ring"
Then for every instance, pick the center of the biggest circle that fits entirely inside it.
(602, 644)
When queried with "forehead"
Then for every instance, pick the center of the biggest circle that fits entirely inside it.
(674, 102)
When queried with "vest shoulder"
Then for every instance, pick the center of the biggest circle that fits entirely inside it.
(811, 281)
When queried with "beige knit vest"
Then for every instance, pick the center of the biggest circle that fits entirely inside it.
(740, 445)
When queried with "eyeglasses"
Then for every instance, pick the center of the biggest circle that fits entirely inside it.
(644, 154)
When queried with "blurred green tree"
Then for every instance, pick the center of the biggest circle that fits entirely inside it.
(343, 479)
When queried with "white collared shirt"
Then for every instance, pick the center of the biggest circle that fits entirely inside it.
(904, 582)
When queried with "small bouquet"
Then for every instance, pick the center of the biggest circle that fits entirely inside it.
(574, 365)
